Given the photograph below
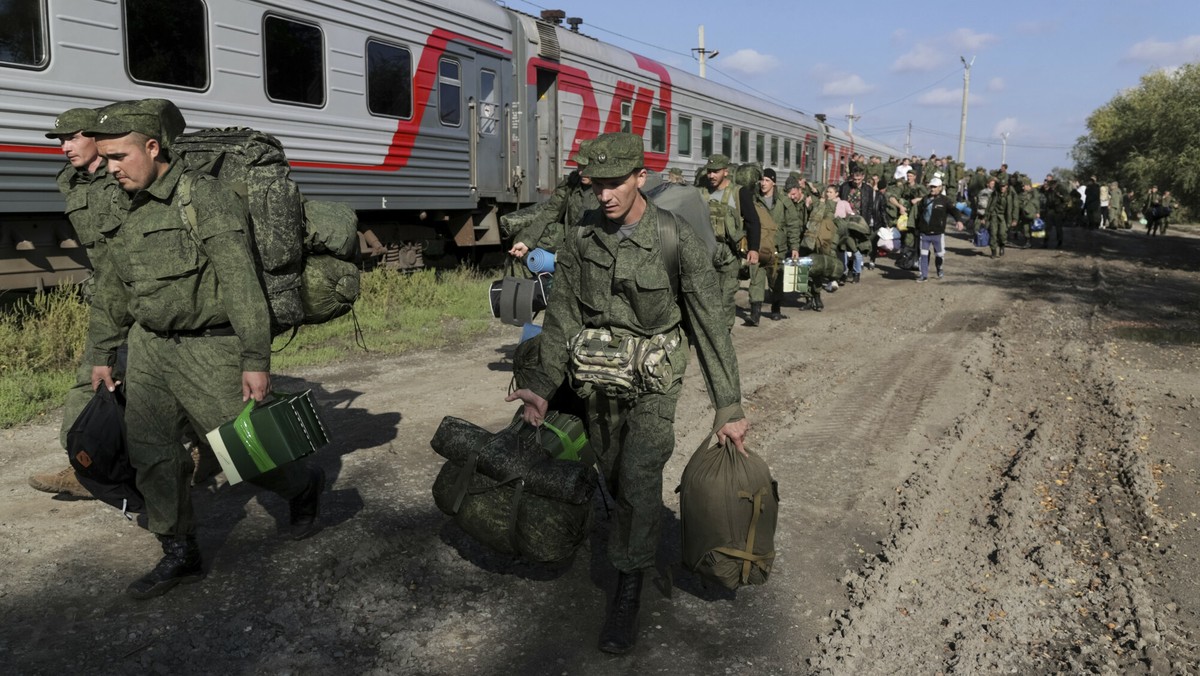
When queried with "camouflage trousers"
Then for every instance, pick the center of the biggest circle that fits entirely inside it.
(998, 232)
(764, 277)
(168, 379)
(633, 441)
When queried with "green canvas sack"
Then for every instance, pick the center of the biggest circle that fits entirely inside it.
(728, 508)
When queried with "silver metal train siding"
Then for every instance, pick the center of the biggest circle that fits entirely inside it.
(429, 119)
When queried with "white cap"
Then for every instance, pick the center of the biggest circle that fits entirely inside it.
(935, 181)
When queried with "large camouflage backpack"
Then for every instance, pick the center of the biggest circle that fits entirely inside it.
(254, 165)
(820, 237)
(726, 216)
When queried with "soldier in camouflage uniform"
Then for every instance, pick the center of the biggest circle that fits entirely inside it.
(1001, 214)
(1054, 203)
(198, 330)
(1028, 210)
(543, 225)
(613, 279)
(88, 190)
(786, 241)
(733, 216)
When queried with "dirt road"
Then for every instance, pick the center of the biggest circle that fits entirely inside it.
(994, 473)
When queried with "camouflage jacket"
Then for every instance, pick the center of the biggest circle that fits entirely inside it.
(602, 281)
(1029, 206)
(1002, 208)
(168, 276)
(94, 205)
(787, 222)
(543, 225)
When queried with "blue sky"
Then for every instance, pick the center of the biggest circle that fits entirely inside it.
(1040, 67)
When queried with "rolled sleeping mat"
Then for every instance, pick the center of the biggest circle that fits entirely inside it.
(539, 261)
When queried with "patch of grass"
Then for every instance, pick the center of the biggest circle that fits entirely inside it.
(41, 342)
(397, 312)
(42, 336)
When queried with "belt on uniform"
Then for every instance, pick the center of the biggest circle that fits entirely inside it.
(206, 332)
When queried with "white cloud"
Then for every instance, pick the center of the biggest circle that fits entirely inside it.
(968, 40)
(749, 62)
(1007, 125)
(850, 85)
(995, 84)
(945, 98)
(920, 58)
(1165, 53)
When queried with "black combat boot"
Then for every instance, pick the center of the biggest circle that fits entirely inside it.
(857, 277)
(755, 314)
(776, 312)
(620, 630)
(306, 507)
(817, 303)
(180, 563)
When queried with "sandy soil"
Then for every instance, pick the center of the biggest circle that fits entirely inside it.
(994, 473)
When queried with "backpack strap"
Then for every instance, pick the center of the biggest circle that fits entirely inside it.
(668, 237)
(186, 182)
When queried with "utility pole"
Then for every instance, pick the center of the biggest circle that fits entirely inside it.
(1004, 147)
(703, 54)
(908, 140)
(851, 118)
(962, 128)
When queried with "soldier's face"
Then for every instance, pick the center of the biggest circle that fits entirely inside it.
(131, 160)
(717, 176)
(795, 194)
(80, 150)
(619, 196)
(766, 186)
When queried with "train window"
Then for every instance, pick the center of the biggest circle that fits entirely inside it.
(489, 106)
(684, 143)
(294, 53)
(23, 33)
(706, 138)
(450, 92)
(727, 140)
(658, 131)
(760, 148)
(787, 152)
(389, 80)
(774, 150)
(167, 48)
(744, 145)
(626, 116)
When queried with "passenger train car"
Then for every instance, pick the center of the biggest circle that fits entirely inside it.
(430, 118)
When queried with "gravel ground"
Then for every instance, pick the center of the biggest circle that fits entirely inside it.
(994, 473)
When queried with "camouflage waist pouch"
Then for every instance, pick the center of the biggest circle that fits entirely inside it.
(621, 366)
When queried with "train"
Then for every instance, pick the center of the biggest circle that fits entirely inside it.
(430, 119)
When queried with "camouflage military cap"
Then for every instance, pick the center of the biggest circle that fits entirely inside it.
(675, 171)
(581, 155)
(614, 155)
(157, 118)
(71, 121)
(717, 162)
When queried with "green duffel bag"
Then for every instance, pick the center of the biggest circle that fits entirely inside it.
(328, 288)
(825, 268)
(728, 508)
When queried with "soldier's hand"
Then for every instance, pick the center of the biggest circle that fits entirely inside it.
(104, 374)
(255, 385)
(519, 249)
(752, 257)
(535, 407)
(958, 226)
(795, 254)
(735, 431)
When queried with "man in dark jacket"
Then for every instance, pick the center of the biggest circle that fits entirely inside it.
(931, 214)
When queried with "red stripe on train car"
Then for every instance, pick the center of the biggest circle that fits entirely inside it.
(31, 150)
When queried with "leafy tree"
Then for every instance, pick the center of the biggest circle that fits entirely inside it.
(1148, 135)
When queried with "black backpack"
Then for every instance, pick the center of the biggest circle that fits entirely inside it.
(96, 451)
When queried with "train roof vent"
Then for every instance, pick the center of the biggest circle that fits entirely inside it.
(548, 41)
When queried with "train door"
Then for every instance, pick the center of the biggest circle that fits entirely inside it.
(489, 159)
(547, 131)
